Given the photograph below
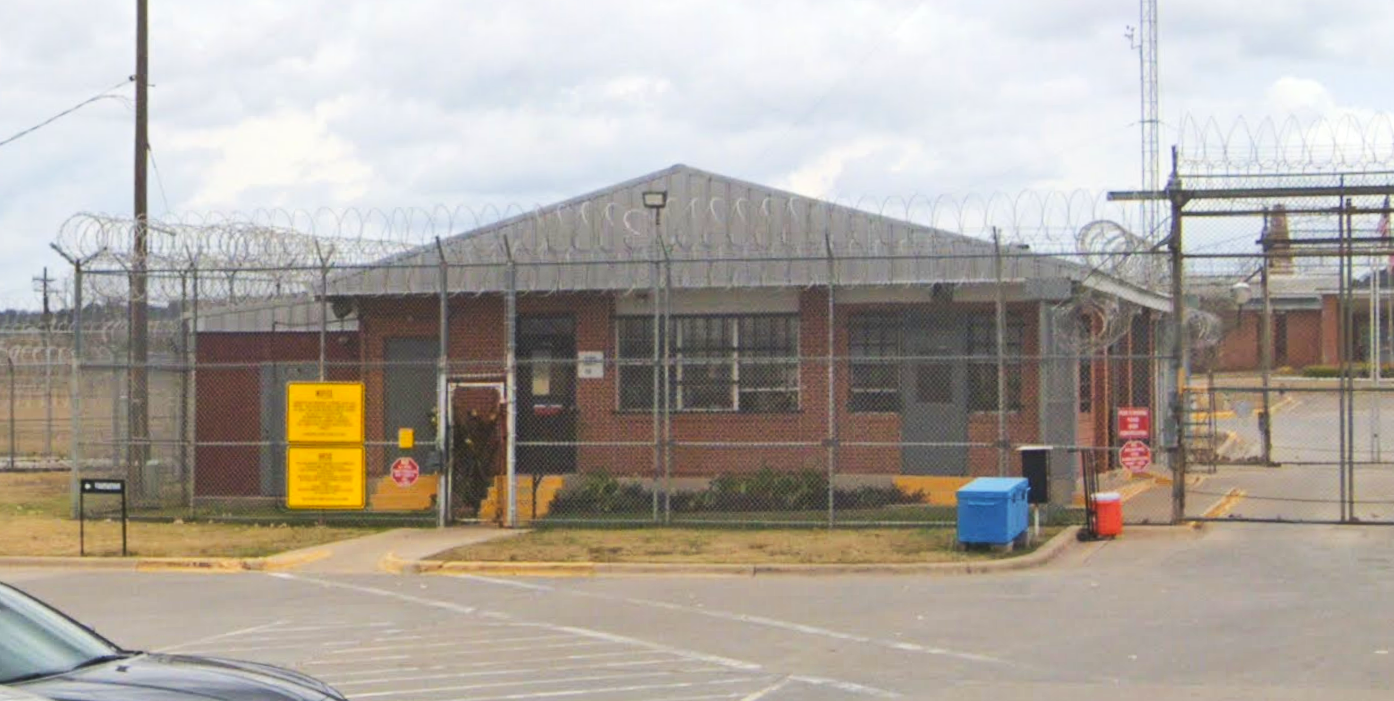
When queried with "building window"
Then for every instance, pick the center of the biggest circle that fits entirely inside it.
(720, 363)
(635, 341)
(982, 363)
(874, 342)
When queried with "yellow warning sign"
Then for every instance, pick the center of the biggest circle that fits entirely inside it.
(324, 412)
(325, 478)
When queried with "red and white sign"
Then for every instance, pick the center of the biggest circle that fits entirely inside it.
(1135, 456)
(405, 471)
(1134, 423)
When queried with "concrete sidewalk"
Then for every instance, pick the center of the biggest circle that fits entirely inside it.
(365, 555)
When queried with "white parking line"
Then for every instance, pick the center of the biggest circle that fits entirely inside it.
(607, 690)
(497, 672)
(758, 620)
(331, 676)
(220, 636)
(591, 636)
(484, 651)
(450, 643)
(527, 682)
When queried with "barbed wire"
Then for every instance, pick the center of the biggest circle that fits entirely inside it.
(1285, 146)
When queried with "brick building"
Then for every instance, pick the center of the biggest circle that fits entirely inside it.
(741, 272)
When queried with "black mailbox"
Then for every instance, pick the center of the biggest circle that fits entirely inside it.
(1035, 467)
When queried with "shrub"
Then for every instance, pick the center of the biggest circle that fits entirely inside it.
(600, 493)
(1357, 369)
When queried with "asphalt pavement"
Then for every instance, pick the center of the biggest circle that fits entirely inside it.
(1306, 485)
(1231, 612)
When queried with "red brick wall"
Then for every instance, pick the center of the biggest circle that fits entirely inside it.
(1306, 342)
(1330, 328)
(228, 408)
(1304, 338)
(752, 440)
(1238, 350)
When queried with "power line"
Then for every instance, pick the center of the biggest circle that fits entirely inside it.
(159, 179)
(103, 95)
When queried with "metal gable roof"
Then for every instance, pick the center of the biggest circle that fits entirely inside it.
(717, 232)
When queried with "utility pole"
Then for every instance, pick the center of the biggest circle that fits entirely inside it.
(139, 421)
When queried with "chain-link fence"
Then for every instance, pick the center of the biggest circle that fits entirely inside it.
(1286, 281)
(679, 349)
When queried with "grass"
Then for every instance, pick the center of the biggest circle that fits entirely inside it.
(908, 513)
(34, 521)
(706, 545)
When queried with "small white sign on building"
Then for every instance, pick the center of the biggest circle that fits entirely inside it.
(590, 365)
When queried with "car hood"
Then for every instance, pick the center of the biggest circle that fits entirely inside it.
(181, 678)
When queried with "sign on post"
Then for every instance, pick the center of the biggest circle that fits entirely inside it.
(405, 471)
(324, 412)
(326, 465)
(1135, 456)
(1134, 423)
(114, 487)
(326, 477)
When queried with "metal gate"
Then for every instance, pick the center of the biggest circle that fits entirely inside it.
(1284, 412)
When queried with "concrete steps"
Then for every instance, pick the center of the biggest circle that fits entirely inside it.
(529, 507)
(389, 496)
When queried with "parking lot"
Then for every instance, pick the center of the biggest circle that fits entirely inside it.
(1306, 486)
(1262, 612)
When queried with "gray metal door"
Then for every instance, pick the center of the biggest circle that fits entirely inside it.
(273, 421)
(410, 393)
(934, 395)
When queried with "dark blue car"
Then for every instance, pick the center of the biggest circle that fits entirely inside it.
(44, 652)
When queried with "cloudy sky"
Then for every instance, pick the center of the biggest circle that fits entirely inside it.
(342, 103)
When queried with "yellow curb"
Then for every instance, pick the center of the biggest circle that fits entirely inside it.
(278, 563)
(1207, 415)
(192, 564)
(392, 564)
(1285, 403)
(1225, 504)
(511, 569)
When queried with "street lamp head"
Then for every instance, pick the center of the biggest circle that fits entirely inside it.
(655, 199)
(1241, 293)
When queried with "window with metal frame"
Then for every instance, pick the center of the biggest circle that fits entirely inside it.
(874, 343)
(746, 363)
(982, 364)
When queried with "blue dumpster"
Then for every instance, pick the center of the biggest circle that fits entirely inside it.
(992, 510)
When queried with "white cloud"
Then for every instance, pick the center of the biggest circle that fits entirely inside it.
(287, 154)
(357, 102)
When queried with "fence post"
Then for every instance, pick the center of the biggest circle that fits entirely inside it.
(1000, 323)
(443, 488)
(75, 383)
(10, 366)
(510, 324)
(191, 462)
(657, 333)
(115, 411)
(1178, 341)
(832, 438)
(667, 390)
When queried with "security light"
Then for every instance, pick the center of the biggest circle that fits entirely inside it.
(655, 199)
(1241, 293)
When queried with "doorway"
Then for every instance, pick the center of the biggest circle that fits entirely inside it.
(546, 387)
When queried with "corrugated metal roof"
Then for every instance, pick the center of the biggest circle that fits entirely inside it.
(300, 313)
(718, 232)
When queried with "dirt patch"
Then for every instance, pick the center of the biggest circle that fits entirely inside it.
(691, 545)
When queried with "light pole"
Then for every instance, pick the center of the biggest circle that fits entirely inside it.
(657, 200)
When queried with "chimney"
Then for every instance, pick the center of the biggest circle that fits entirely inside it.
(1276, 241)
